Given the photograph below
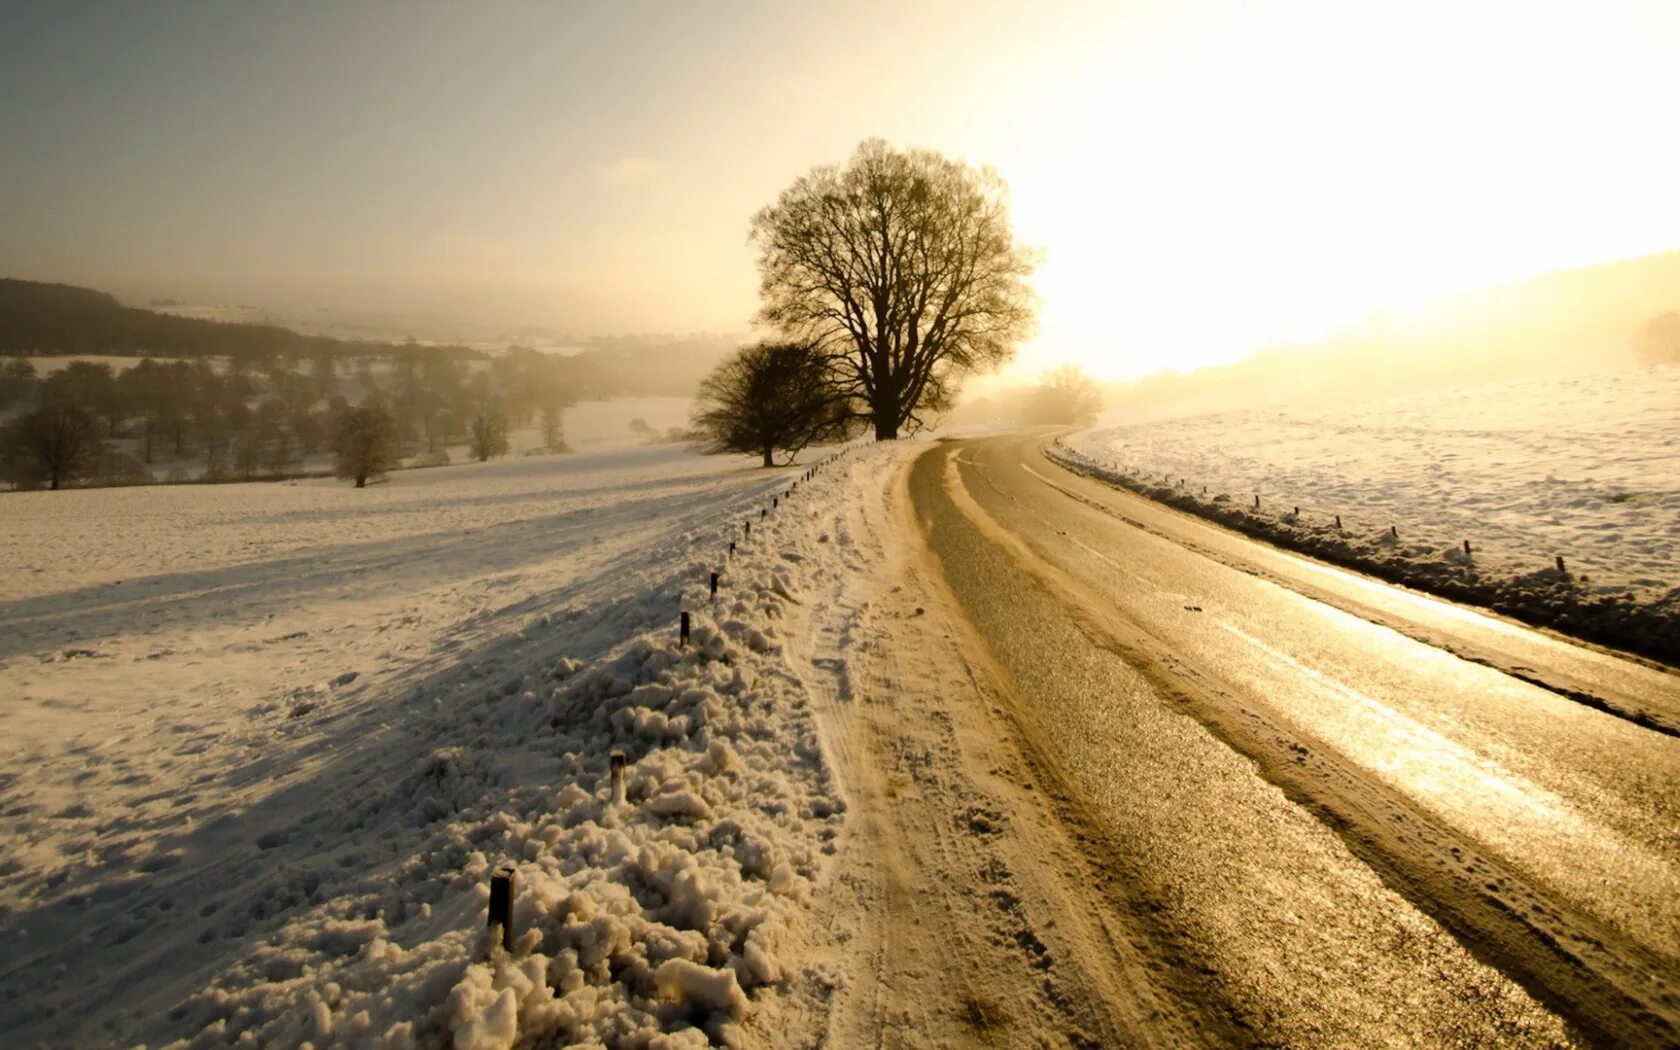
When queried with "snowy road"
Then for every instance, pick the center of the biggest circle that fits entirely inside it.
(1333, 811)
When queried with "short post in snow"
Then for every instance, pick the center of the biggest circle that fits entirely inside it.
(1394, 531)
(501, 904)
(714, 584)
(732, 548)
(1338, 523)
(774, 502)
(1257, 501)
(615, 762)
(749, 530)
(1296, 512)
(682, 640)
(1467, 548)
(762, 512)
(1561, 569)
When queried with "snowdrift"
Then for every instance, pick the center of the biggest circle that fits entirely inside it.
(304, 860)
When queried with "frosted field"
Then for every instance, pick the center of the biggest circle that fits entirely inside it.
(262, 743)
(1585, 466)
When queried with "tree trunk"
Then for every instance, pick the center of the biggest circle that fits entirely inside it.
(884, 407)
(768, 460)
(361, 481)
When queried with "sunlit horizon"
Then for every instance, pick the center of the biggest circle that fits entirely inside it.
(1203, 180)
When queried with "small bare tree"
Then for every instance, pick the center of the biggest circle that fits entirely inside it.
(56, 443)
(1065, 395)
(770, 397)
(365, 442)
(487, 432)
(1658, 339)
(553, 428)
(902, 268)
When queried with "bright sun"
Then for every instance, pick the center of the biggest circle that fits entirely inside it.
(1257, 173)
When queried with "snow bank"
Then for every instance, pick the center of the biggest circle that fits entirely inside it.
(1583, 467)
(316, 870)
(658, 914)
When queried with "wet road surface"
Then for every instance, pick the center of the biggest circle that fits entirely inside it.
(1343, 813)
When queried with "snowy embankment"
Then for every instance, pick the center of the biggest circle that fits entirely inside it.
(253, 791)
(1583, 468)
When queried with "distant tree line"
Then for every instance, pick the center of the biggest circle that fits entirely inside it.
(88, 422)
(55, 319)
(244, 401)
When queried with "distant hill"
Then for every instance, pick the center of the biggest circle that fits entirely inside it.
(37, 318)
(51, 319)
(653, 366)
(1567, 321)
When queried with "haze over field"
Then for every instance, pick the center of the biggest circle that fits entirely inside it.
(1203, 178)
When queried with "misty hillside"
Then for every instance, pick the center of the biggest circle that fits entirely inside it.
(37, 318)
(647, 366)
(1578, 320)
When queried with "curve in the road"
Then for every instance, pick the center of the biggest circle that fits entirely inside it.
(1542, 833)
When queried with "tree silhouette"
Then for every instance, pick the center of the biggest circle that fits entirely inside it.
(1066, 395)
(365, 442)
(56, 443)
(902, 268)
(553, 427)
(487, 432)
(769, 397)
(1659, 339)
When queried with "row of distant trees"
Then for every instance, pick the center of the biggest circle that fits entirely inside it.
(245, 423)
(885, 282)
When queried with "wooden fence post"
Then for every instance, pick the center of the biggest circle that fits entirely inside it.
(501, 904)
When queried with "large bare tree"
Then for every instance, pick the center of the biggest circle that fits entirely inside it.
(903, 268)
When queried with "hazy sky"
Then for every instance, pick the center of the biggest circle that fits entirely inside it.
(1202, 177)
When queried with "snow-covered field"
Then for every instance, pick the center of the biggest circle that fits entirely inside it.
(262, 744)
(1585, 467)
